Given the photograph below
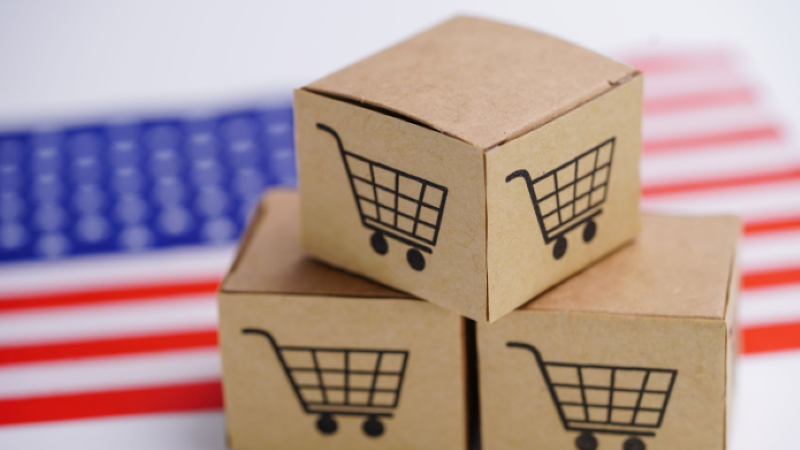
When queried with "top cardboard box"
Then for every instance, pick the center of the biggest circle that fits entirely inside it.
(470, 165)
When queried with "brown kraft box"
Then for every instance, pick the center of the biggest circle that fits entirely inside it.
(474, 165)
(317, 358)
(636, 352)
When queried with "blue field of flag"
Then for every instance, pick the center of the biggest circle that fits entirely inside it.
(148, 184)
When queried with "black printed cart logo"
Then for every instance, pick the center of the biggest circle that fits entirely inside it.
(394, 204)
(571, 195)
(343, 382)
(606, 399)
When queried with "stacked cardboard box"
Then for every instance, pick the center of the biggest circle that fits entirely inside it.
(471, 166)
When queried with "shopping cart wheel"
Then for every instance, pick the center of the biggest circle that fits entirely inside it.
(415, 259)
(560, 247)
(633, 443)
(589, 231)
(585, 441)
(326, 424)
(379, 243)
(373, 426)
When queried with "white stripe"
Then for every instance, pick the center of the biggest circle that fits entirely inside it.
(772, 250)
(770, 306)
(715, 162)
(110, 270)
(184, 431)
(109, 373)
(672, 84)
(765, 401)
(753, 202)
(704, 121)
(112, 320)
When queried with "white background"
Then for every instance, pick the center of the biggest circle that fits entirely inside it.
(58, 58)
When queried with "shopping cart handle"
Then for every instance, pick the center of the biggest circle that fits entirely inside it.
(519, 173)
(264, 333)
(529, 347)
(333, 132)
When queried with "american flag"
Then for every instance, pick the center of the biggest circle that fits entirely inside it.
(119, 351)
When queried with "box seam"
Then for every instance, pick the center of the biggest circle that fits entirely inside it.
(486, 303)
(729, 303)
(294, 294)
(363, 103)
(612, 86)
(472, 405)
(381, 110)
(632, 315)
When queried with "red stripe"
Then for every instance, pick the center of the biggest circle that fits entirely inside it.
(695, 100)
(107, 295)
(741, 180)
(208, 395)
(769, 278)
(150, 400)
(107, 347)
(772, 225)
(771, 338)
(712, 139)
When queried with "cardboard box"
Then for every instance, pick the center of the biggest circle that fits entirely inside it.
(650, 331)
(461, 137)
(393, 367)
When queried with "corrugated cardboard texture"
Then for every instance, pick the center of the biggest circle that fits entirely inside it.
(520, 260)
(589, 321)
(270, 259)
(480, 81)
(678, 266)
(262, 408)
(454, 275)
(517, 410)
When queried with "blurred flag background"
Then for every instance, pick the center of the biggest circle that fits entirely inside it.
(135, 138)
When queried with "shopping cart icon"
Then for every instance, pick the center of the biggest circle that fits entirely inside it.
(571, 195)
(393, 203)
(599, 399)
(343, 382)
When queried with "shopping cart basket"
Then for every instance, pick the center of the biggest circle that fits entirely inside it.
(343, 381)
(394, 204)
(606, 399)
(570, 195)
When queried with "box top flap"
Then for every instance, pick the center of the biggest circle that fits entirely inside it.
(269, 258)
(477, 80)
(679, 266)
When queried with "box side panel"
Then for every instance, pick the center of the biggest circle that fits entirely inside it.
(584, 171)
(520, 400)
(422, 359)
(434, 248)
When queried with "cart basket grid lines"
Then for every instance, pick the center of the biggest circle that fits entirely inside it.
(563, 204)
(350, 372)
(392, 191)
(386, 215)
(345, 383)
(398, 213)
(569, 189)
(346, 388)
(575, 412)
